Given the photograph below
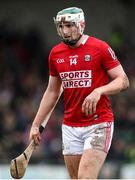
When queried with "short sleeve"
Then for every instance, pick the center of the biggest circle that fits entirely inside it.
(52, 67)
(109, 59)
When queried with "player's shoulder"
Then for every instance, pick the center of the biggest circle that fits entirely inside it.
(58, 48)
(97, 42)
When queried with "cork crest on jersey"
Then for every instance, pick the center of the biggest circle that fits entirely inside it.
(87, 57)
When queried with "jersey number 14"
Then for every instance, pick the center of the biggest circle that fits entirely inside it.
(73, 61)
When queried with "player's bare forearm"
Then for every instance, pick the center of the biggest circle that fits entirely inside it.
(119, 82)
(115, 86)
(48, 101)
(46, 107)
(47, 104)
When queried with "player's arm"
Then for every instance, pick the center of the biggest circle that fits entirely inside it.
(47, 104)
(119, 82)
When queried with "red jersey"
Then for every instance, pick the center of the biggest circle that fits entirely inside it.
(81, 70)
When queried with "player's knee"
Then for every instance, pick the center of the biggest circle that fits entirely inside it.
(86, 173)
(87, 176)
(73, 175)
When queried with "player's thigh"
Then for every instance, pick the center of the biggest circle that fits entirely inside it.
(72, 163)
(72, 149)
(91, 163)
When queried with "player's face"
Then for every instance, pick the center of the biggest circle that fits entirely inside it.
(69, 32)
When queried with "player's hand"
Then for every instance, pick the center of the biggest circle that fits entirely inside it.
(35, 135)
(90, 102)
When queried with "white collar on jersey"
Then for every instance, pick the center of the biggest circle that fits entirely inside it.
(84, 39)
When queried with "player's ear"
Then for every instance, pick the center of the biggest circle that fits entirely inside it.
(82, 24)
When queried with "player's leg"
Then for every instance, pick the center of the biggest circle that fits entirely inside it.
(96, 145)
(72, 149)
(72, 164)
(91, 163)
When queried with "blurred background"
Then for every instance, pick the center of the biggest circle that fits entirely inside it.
(27, 34)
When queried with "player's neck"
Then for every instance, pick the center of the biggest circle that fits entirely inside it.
(82, 40)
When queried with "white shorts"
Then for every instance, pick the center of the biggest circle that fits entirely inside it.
(77, 139)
